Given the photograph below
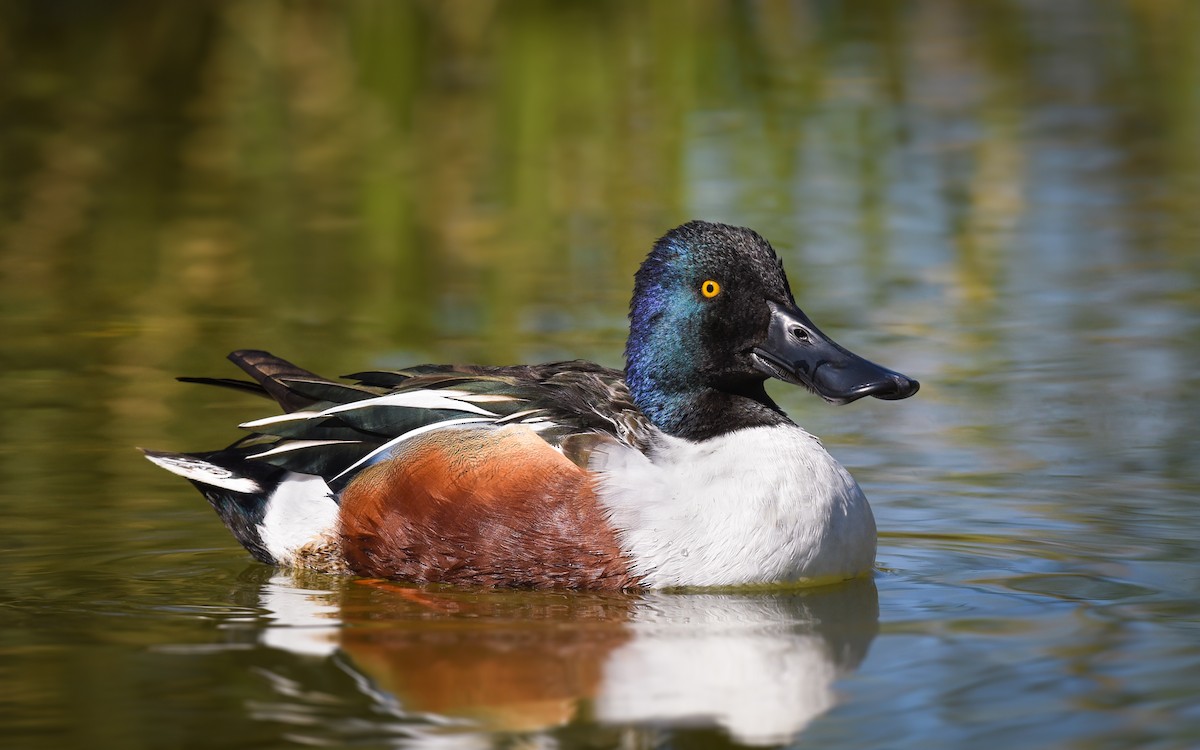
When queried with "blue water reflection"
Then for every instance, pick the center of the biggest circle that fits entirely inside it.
(998, 198)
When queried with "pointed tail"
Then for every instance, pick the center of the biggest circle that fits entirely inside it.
(238, 490)
(271, 375)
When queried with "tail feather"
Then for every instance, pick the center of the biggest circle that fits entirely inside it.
(292, 387)
(271, 374)
(319, 390)
(246, 386)
(238, 490)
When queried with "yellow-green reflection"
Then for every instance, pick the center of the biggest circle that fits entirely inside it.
(996, 197)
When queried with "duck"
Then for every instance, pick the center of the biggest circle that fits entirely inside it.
(678, 472)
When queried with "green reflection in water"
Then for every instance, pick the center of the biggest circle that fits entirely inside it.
(997, 197)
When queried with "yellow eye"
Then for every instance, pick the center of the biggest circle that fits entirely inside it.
(710, 289)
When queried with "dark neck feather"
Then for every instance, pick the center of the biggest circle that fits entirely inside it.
(700, 413)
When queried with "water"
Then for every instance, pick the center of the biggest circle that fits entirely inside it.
(998, 198)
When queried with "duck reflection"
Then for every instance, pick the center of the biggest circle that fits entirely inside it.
(759, 665)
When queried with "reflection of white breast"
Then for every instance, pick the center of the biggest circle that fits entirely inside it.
(303, 621)
(760, 505)
(737, 661)
(759, 665)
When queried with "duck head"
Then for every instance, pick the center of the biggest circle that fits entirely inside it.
(712, 317)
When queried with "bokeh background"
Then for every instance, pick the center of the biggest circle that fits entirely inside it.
(998, 197)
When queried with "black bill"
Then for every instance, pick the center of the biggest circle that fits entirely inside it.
(795, 351)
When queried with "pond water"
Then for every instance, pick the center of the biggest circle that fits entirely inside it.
(1000, 198)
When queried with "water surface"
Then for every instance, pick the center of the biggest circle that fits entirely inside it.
(999, 198)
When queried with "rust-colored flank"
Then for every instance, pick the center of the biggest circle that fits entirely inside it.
(481, 506)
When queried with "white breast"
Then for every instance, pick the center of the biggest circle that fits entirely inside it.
(762, 505)
(300, 512)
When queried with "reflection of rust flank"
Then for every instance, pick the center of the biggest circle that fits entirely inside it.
(514, 663)
(487, 507)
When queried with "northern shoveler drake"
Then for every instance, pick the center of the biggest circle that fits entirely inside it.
(679, 471)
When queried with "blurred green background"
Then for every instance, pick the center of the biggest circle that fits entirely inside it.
(998, 197)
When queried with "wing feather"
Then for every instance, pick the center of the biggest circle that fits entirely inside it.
(336, 429)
